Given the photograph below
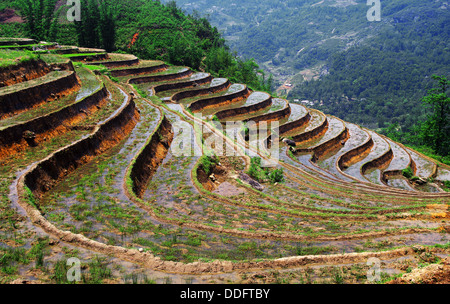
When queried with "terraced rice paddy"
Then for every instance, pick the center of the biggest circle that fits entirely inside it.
(379, 148)
(135, 181)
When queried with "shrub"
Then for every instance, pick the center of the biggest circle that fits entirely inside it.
(208, 162)
(447, 186)
(276, 176)
(262, 174)
(408, 172)
(255, 171)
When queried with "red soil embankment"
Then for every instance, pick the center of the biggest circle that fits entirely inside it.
(378, 163)
(15, 102)
(267, 102)
(272, 116)
(296, 124)
(50, 125)
(314, 133)
(355, 155)
(222, 100)
(45, 174)
(182, 85)
(139, 71)
(158, 78)
(151, 157)
(23, 71)
(330, 145)
(200, 92)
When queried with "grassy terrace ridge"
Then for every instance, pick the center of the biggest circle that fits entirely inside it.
(199, 212)
(81, 55)
(89, 84)
(19, 161)
(169, 71)
(26, 46)
(16, 40)
(142, 64)
(53, 58)
(115, 57)
(170, 93)
(53, 75)
(14, 57)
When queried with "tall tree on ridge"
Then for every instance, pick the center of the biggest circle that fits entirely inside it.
(40, 18)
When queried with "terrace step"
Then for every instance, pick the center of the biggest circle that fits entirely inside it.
(186, 96)
(89, 83)
(168, 88)
(108, 132)
(298, 119)
(335, 127)
(23, 71)
(329, 162)
(235, 93)
(401, 160)
(279, 111)
(16, 41)
(87, 57)
(381, 147)
(336, 133)
(55, 118)
(117, 60)
(153, 78)
(424, 167)
(317, 126)
(34, 46)
(22, 96)
(252, 104)
(144, 67)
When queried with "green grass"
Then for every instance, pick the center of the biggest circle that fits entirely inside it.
(80, 55)
(261, 174)
(48, 78)
(208, 162)
(89, 83)
(53, 58)
(100, 68)
(14, 57)
(446, 186)
(23, 47)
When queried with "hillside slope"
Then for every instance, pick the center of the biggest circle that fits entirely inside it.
(369, 71)
(131, 164)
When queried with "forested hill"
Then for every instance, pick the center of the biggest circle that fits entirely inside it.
(148, 29)
(382, 80)
(372, 73)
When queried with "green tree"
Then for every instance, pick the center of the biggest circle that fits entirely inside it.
(97, 28)
(435, 131)
(40, 18)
